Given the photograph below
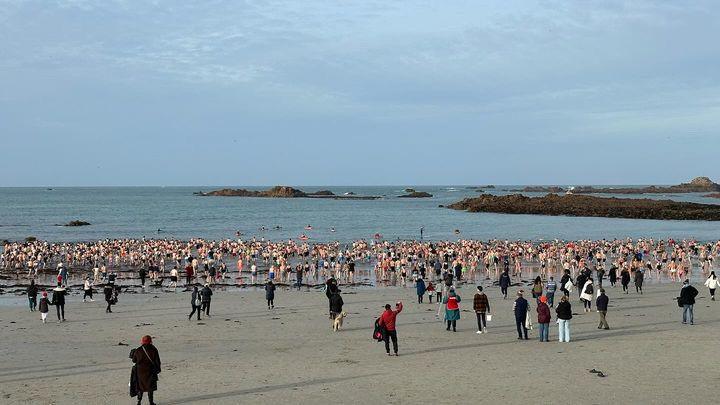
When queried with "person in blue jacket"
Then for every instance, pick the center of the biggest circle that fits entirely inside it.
(520, 307)
(420, 286)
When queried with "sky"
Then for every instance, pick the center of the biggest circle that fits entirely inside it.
(165, 92)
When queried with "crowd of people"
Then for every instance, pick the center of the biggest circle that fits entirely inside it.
(435, 269)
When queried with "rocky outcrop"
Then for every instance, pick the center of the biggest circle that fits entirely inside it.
(416, 194)
(712, 195)
(324, 193)
(590, 206)
(77, 223)
(696, 185)
(281, 192)
(540, 189)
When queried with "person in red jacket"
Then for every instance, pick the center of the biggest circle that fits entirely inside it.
(543, 318)
(387, 322)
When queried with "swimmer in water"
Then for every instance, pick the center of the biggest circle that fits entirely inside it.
(332, 229)
(308, 228)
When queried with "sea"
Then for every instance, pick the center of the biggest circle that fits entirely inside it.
(176, 213)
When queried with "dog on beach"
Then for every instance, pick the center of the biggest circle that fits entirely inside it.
(338, 321)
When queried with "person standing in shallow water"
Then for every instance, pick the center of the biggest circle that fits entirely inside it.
(147, 359)
(32, 292)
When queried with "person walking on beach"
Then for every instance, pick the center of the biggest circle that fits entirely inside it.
(205, 297)
(602, 305)
(387, 322)
(270, 294)
(543, 311)
(481, 306)
(537, 288)
(142, 273)
(586, 294)
(712, 284)
(109, 292)
(147, 363)
(550, 288)
(566, 283)
(336, 307)
(639, 277)
(44, 306)
(612, 275)
(195, 303)
(504, 283)
(87, 290)
(520, 308)
(564, 315)
(32, 292)
(687, 301)
(452, 309)
(420, 289)
(58, 299)
(625, 279)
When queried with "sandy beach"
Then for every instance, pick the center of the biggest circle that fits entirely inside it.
(246, 352)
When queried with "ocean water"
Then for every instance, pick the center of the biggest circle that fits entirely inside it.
(135, 212)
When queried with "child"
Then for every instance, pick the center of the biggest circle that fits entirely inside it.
(44, 306)
(430, 291)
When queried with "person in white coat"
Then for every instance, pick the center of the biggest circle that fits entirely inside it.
(712, 284)
(586, 294)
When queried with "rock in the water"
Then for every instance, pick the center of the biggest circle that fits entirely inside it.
(416, 194)
(590, 206)
(77, 223)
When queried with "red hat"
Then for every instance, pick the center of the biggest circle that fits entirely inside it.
(146, 340)
(44, 294)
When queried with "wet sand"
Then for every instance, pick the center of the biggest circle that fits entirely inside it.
(290, 355)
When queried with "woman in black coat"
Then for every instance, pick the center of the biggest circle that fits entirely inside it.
(270, 294)
(195, 303)
(147, 360)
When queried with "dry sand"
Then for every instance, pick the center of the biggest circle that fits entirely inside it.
(290, 355)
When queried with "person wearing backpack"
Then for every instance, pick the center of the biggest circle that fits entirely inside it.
(147, 360)
(195, 303)
(586, 294)
(58, 299)
(387, 323)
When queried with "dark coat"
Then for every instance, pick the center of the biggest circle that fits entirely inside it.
(639, 277)
(521, 308)
(269, 291)
(543, 311)
(504, 280)
(44, 304)
(58, 296)
(602, 302)
(687, 295)
(336, 303)
(564, 310)
(194, 297)
(205, 294)
(420, 287)
(146, 371)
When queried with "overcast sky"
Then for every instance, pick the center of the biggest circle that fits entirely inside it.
(358, 93)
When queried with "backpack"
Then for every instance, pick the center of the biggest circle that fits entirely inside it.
(378, 332)
(589, 289)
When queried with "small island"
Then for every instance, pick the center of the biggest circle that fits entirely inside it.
(712, 195)
(696, 185)
(590, 206)
(416, 194)
(77, 223)
(281, 192)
